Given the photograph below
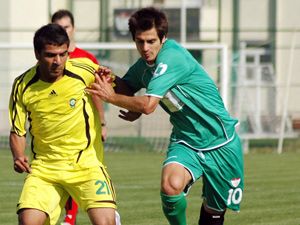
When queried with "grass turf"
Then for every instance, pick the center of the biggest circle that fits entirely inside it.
(271, 196)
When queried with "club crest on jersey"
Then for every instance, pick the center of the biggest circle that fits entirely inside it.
(72, 102)
(235, 182)
(160, 69)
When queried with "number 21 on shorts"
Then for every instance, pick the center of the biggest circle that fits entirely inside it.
(103, 188)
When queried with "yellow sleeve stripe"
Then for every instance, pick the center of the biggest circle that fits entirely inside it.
(16, 94)
(13, 102)
(84, 66)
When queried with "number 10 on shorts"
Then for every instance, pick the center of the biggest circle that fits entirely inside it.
(234, 196)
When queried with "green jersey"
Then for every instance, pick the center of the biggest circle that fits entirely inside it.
(197, 112)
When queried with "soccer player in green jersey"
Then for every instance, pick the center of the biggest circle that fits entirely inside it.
(203, 141)
(65, 129)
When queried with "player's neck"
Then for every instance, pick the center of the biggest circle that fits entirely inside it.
(72, 46)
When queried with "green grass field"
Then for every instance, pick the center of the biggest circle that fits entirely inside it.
(271, 197)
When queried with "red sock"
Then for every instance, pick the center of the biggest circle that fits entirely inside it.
(71, 211)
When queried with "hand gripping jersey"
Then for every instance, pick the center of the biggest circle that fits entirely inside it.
(188, 94)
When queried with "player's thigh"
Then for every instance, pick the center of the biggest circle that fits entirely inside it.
(42, 195)
(223, 180)
(102, 216)
(93, 188)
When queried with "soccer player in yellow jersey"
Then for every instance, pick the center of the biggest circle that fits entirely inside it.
(65, 19)
(65, 135)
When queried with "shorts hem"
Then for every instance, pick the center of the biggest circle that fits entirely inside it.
(192, 175)
(113, 206)
(23, 206)
(222, 210)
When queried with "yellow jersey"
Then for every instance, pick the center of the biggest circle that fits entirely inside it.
(62, 119)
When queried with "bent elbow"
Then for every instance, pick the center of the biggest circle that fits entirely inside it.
(148, 110)
(148, 104)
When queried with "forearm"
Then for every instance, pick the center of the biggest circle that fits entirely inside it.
(17, 145)
(125, 98)
(138, 104)
(104, 90)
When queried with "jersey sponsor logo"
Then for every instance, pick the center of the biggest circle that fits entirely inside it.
(72, 102)
(160, 69)
(52, 93)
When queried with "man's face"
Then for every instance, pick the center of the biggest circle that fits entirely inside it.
(148, 44)
(65, 22)
(52, 62)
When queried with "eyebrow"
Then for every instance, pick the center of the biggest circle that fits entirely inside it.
(147, 40)
(51, 53)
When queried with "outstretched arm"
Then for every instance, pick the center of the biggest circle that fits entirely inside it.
(139, 104)
(122, 88)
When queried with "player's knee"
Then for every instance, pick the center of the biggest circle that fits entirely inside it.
(104, 221)
(102, 216)
(172, 186)
(31, 217)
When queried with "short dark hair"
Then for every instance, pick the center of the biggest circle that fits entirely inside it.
(145, 19)
(50, 34)
(61, 14)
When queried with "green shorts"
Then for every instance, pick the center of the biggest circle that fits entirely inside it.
(222, 171)
(48, 189)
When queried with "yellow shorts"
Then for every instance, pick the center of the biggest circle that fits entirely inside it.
(47, 189)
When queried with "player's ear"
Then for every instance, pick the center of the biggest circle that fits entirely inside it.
(163, 39)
